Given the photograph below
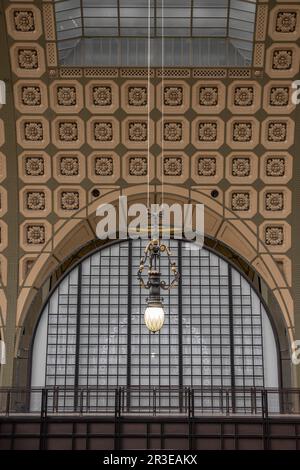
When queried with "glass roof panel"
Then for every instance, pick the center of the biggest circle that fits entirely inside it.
(198, 20)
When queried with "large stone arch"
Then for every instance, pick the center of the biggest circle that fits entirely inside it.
(236, 236)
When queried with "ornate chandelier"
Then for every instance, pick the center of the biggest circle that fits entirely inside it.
(154, 313)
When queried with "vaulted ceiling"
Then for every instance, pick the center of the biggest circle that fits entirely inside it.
(224, 136)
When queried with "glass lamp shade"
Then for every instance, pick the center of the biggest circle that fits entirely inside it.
(154, 317)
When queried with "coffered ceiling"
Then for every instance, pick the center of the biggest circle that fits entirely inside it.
(226, 130)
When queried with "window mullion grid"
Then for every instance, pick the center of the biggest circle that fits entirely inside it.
(129, 314)
(179, 319)
(98, 275)
(159, 353)
(50, 335)
(211, 326)
(67, 340)
(220, 306)
(120, 379)
(190, 349)
(241, 301)
(228, 19)
(248, 331)
(90, 331)
(148, 345)
(244, 346)
(48, 355)
(261, 341)
(109, 322)
(168, 325)
(57, 339)
(252, 341)
(119, 18)
(77, 340)
(155, 18)
(82, 19)
(231, 339)
(200, 328)
(169, 337)
(192, 16)
(253, 34)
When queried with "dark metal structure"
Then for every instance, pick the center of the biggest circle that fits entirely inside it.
(150, 401)
(189, 425)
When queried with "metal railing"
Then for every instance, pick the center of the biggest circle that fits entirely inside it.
(119, 401)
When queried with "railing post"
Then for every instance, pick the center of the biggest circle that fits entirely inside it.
(233, 399)
(264, 400)
(227, 403)
(281, 402)
(266, 403)
(123, 399)
(252, 400)
(185, 400)
(43, 422)
(154, 401)
(8, 397)
(180, 399)
(193, 402)
(88, 400)
(117, 402)
(44, 403)
(81, 402)
(265, 414)
(262, 404)
(55, 399)
(221, 399)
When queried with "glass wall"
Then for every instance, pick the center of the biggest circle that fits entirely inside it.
(92, 333)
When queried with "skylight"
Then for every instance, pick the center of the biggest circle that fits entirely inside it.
(196, 33)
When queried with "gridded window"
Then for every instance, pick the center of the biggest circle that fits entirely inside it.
(247, 325)
(197, 33)
(103, 318)
(62, 326)
(205, 337)
(92, 333)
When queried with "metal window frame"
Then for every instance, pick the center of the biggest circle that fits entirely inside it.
(188, 32)
(129, 307)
